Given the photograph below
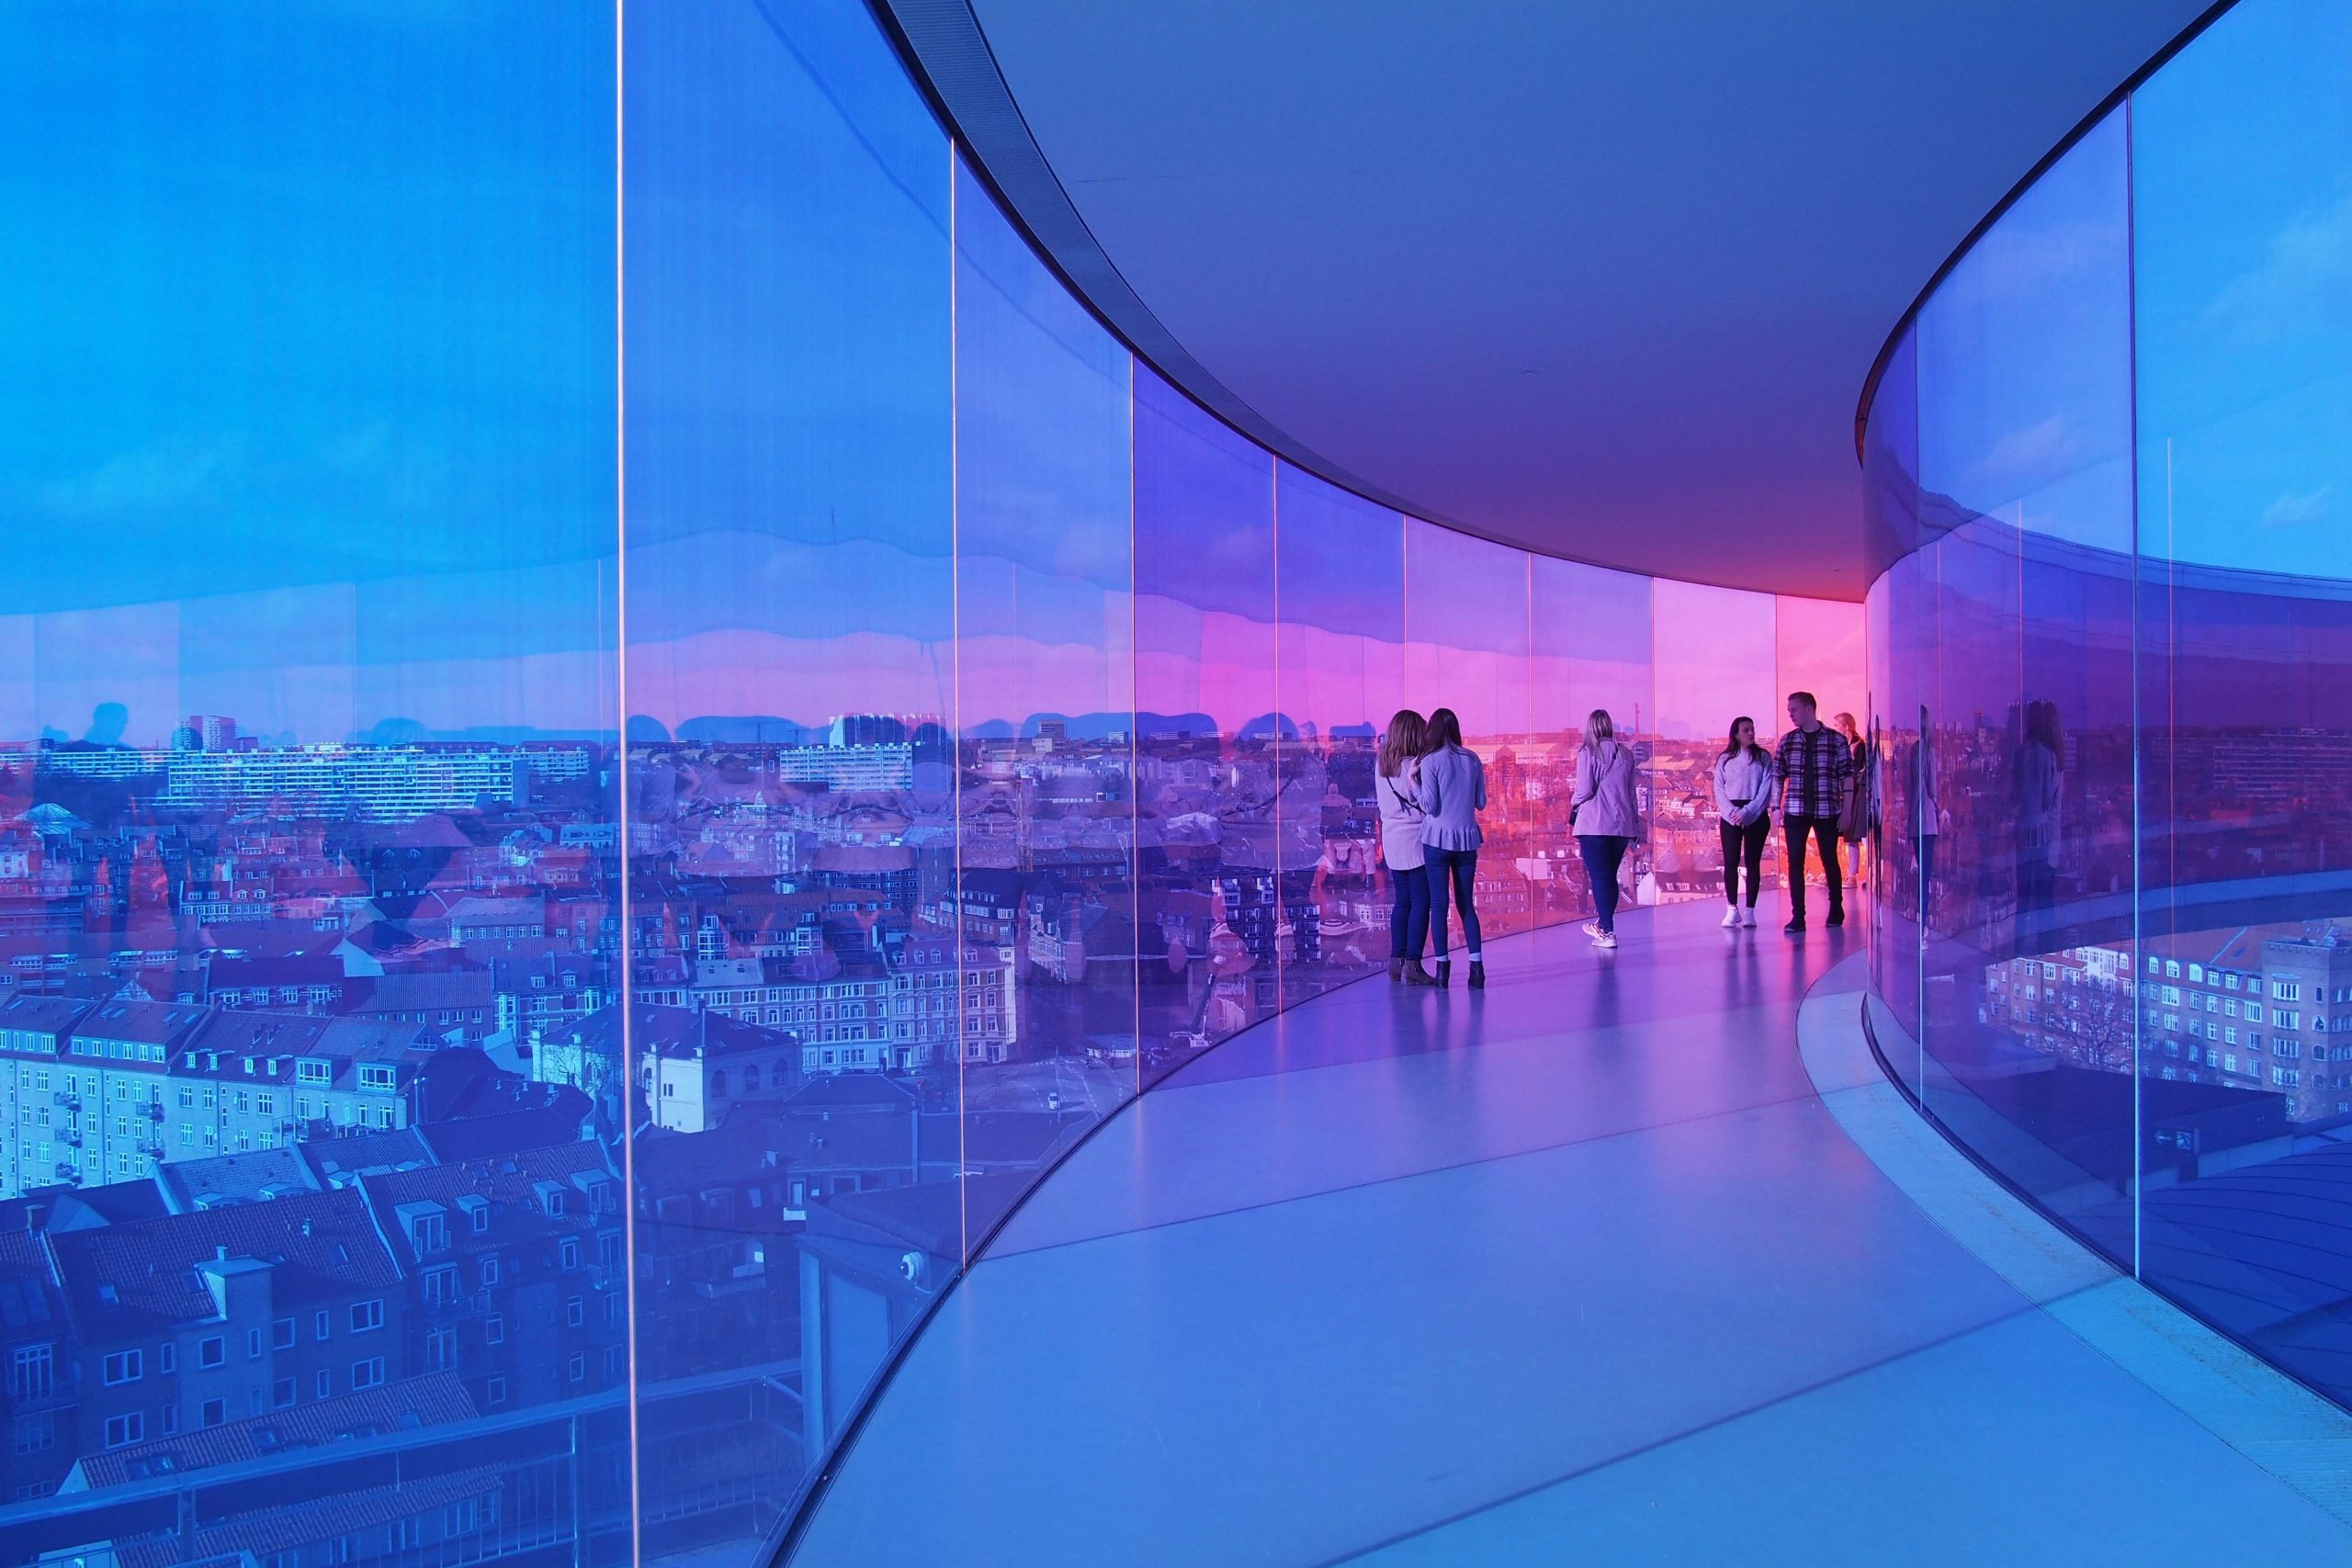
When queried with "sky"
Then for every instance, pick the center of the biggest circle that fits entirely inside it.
(316, 425)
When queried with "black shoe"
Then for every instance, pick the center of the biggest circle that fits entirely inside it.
(1477, 973)
(1445, 973)
(1396, 968)
(1836, 918)
(1415, 975)
(1794, 928)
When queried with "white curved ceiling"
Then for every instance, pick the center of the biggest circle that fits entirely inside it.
(1604, 281)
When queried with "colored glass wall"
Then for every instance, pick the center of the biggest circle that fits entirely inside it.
(579, 824)
(2106, 473)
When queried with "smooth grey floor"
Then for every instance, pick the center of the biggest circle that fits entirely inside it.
(1578, 1269)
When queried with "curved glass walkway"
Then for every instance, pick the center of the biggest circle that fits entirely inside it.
(1581, 1268)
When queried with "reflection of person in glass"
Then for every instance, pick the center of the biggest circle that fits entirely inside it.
(1453, 790)
(1927, 816)
(2035, 774)
(1605, 815)
(1744, 810)
(1854, 819)
(1397, 785)
(1815, 767)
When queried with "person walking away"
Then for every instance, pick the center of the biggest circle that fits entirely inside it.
(1605, 817)
(1744, 807)
(1453, 790)
(2040, 768)
(1854, 817)
(1396, 786)
(1927, 814)
(1814, 766)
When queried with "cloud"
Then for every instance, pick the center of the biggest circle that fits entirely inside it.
(175, 474)
(2299, 511)
(2023, 461)
(2302, 285)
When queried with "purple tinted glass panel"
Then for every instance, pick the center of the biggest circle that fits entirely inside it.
(1214, 906)
(1342, 568)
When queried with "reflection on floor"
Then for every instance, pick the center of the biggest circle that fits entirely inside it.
(1578, 1269)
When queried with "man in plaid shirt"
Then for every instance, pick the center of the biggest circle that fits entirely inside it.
(1815, 767)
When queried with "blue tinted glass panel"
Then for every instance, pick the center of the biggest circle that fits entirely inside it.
(1044, 922)
(310, 717)
(791, 762)
(2245, 394)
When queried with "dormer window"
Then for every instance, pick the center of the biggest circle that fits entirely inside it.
(312, 1070)
(380, 1077)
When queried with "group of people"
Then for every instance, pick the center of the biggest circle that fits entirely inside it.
(1431, 788)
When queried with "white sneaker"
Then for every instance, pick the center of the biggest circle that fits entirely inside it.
(1731, 916)
(1592, 930)
(1605, 940)
(1748, 917)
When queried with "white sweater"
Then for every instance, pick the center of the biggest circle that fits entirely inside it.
(1741, 777)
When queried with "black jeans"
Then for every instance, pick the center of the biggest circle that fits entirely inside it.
(1408, 915)
(1603, 853)
(1825, 829)
(1455, 871)
(1744, 843)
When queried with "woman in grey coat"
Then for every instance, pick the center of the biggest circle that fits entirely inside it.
(1453, 790)
(1606, 816)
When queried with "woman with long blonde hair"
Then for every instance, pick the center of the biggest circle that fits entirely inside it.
(1605, 816)
(1397, 786)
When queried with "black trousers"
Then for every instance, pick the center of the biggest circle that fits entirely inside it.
(1824, 830)
(1744, 843)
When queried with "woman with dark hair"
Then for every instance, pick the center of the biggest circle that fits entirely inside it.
(1453, 790)
(1606, 818)
(1397, 785)
(1744, 809)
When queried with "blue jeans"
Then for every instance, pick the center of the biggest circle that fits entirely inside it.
(1455, 871)
(1409, 916)
(1603, 853)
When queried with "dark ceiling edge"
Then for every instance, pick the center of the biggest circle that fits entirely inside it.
(944, 50)
(2082, 128)
(946, 54)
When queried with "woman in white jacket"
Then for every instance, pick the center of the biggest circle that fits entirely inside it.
(1397, 785)
(1744, 804)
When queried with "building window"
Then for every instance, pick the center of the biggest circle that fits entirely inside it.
(129, 1427)
(124, 1366)
(567, 1250)
(367, 1315)
(321, 1325)
(575, 1312)
(212, 1352)
(369, 1373)
(323, 1386)
(281, 1333)
(32, 1371)
(212, 1413)
(577, 1367)
(281, 1393)
(494, 1390)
